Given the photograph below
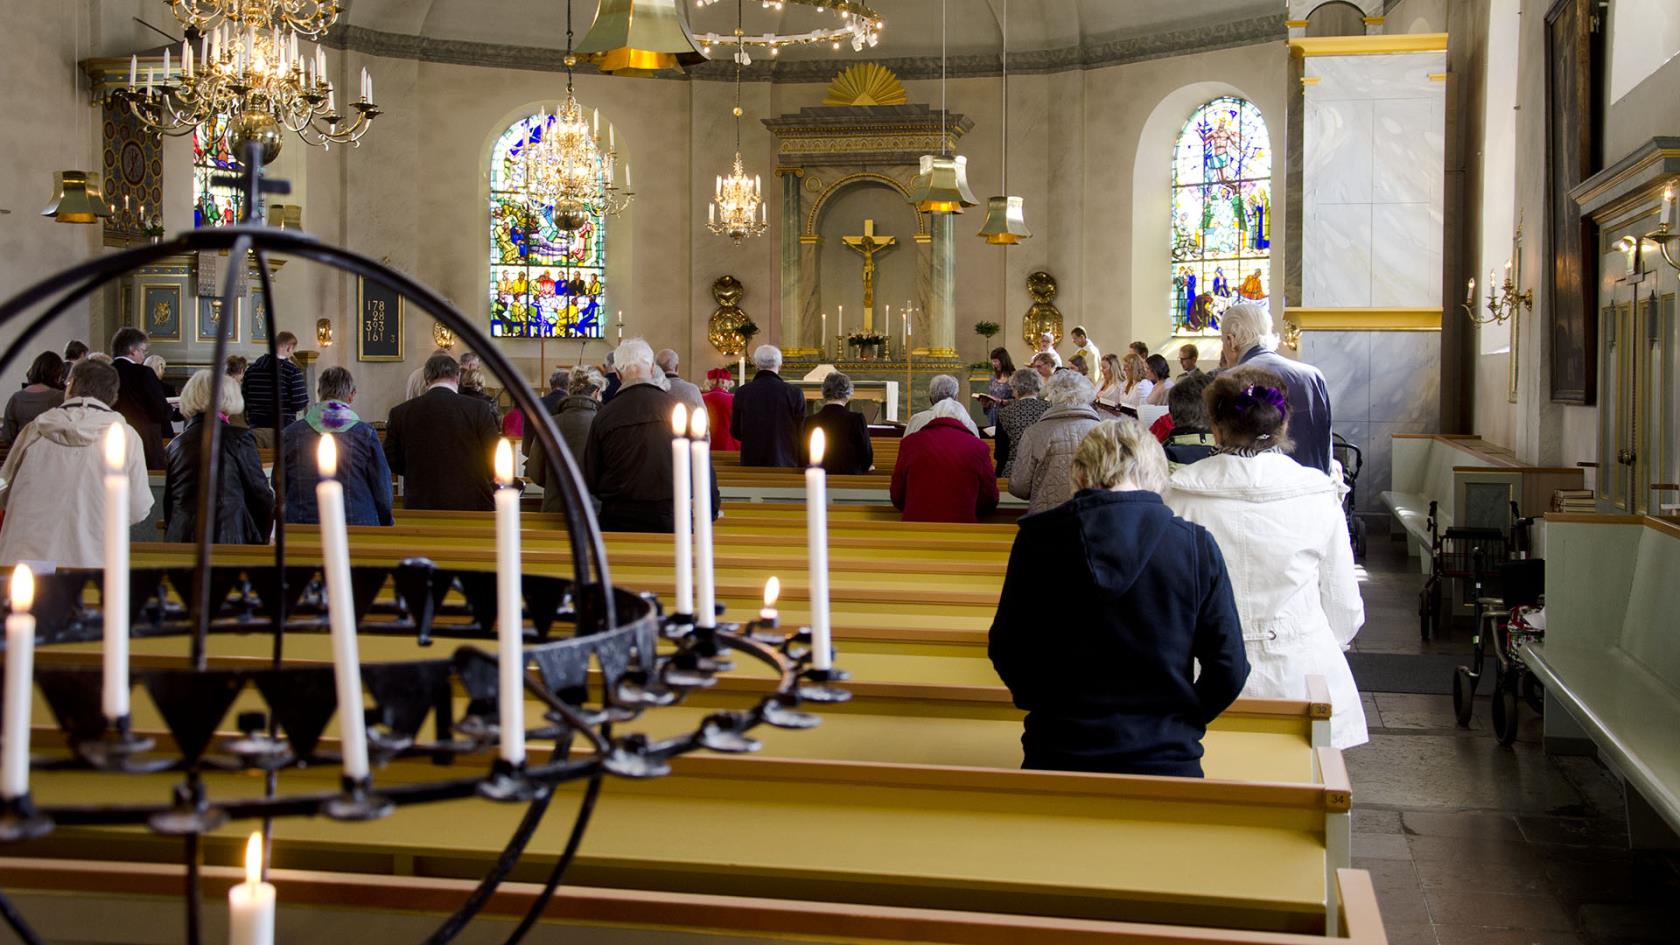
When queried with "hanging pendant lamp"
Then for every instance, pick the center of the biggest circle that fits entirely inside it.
(1006, 220)
(942, 184)
(640, 38)
(77, 198)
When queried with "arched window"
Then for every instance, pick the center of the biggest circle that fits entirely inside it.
(1221, 214)
(214, 204)
(545, 282)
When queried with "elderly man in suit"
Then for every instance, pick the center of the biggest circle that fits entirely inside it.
(1245, 332)
(443, 443)
(141, 398)
(769, 413)
(682, 390)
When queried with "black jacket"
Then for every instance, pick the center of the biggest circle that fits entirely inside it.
(245, 502)
(768, 412)
(258, 388)
(627, 461)
(846, 448)
(443, 444)
(1108, 603)
(143, 402)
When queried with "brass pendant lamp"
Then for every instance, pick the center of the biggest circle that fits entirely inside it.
(77, 198)
(640, 38)
(941, 186)
(1006, 221)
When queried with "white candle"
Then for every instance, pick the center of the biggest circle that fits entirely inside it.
(840, 321)
(186, 58)
(612, 143)
(816, 545)
(133, 69)
(166, 65)
(20, 685)
(1667, 217)
(701, 448)
(510, 622)
(823, 346)
(627, 184)
(741, 369)
(772, 590)
(251, 903)
(116, 571)
(341, 612)
(682, 509)
(150, 74)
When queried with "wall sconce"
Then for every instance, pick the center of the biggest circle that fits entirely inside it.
(1666, 235)
(323, 333)
(441, 334)
(1502, 302)
(1291, 335)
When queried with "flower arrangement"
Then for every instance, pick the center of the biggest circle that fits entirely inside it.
(859, 339)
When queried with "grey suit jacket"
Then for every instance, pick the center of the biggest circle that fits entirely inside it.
(1309, 405)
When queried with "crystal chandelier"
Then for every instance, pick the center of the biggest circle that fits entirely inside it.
(251, 71)
(859, 26)
(737, 209)
(567, 169)
(312, 18)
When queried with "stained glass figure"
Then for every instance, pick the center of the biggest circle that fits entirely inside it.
(214, 204)
(544, 281)
(1221, 214)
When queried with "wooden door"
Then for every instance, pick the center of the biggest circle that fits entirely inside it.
(1571, 136)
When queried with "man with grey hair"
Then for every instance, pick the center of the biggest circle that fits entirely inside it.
(1043, 470)
(684, 391)
(943, 402)
(627, 455)
(443, 442)
(846, 446)
(362, 469)
(768, 414)
(1245, 333)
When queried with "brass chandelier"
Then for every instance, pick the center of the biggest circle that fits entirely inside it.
(250, 72)
(737, 209)
(1006, 222)
(567, 168)
(941, 184)
(859, 26)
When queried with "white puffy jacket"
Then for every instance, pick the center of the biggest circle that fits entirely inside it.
(1280, 527)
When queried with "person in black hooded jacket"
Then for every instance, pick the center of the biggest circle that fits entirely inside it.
(1108, 606)
(245, 499)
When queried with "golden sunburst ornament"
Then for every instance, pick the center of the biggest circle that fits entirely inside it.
(867, 83)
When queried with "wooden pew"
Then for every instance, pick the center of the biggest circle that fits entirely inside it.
(138, 904)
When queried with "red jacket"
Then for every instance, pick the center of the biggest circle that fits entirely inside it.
(720, 407)
(944, 474)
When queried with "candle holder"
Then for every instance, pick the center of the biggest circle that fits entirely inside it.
(117, 749)
(509, 783)
(19, 820)
(1668, 244)
(256, 748)
(191, 813)
(357, 802)
(819, 689)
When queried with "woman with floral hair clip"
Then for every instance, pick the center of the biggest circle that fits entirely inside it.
(1280, 527)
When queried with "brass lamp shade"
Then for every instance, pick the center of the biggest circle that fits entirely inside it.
(1006, 222)
(640, 37)
(76, 198)
(942, 185)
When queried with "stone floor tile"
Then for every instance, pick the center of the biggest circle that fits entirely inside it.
(1525, 876)
(1368, 702)
(1482, 935)
(1399, 896)
(1366, 820)
(1410, 711)
(1498, 910)
(1422, 934)
(1476, 826)
(1381, 846)
(1607, 924)
(1573, 831)
(1601, 788)
(1446, 771)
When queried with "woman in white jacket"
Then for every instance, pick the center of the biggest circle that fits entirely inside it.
(1280, 526)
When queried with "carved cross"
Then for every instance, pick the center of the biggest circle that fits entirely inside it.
(867, 245)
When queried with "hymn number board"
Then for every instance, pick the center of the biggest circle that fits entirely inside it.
(379, 323)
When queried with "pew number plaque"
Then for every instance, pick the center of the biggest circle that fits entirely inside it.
(379, 332)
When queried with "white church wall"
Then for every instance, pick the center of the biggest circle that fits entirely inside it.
(1644, 34)
(1498, 161)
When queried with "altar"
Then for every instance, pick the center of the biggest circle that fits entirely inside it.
(883, 393)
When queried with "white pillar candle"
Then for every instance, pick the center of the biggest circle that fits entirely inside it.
(627, 184)
(341, 612)
(133, 69)
(741, 369)
(116, 571)
(772, 590)
(186, 58)
(1667, 217)
(705, 612)
(510, 622)
(20, 685)
(251, 903)
(682, 516)
(166, 65)
(816, 544)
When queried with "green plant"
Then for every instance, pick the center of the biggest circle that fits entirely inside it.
(747, 329)
(986, 329)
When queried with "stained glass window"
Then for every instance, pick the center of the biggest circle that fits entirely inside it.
(1221, 214)
(213, 204)
(544, 281)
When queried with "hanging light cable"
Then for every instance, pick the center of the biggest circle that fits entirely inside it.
(1006, 222)
(566, 167)
(737, 209)
(942, 184)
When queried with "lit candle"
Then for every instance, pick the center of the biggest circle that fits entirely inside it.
(772, 590)
(705, 612)
(816, 543)
(510, 621)
(741, 369)
(681, 509)
(251, 903)
(1470, 293)
(824, 338)
(840, 320)
(341, 612)
(116, 571)
(20, 684)
(1507, 272)
(1666, 219)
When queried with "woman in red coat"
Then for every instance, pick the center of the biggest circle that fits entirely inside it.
(720, 406)
(944, 474)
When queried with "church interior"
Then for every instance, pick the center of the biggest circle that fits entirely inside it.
(496, 626)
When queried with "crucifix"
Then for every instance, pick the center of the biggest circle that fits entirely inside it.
(867, 245)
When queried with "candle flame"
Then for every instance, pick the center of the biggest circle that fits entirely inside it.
(772, 590)
(679, 420)
(253, 859)
(817, 446)
(504, 462)
(697, 425)
(326, 456)
(23, 589)
(116, 446)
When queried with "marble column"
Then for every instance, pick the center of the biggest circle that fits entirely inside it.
(803, 341)
(941, 332)
(792, 273)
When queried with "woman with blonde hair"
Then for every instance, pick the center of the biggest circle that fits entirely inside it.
(1112, 386)
(1281, 527)
(1137, 385)
(1141, 596)
(244, 499)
